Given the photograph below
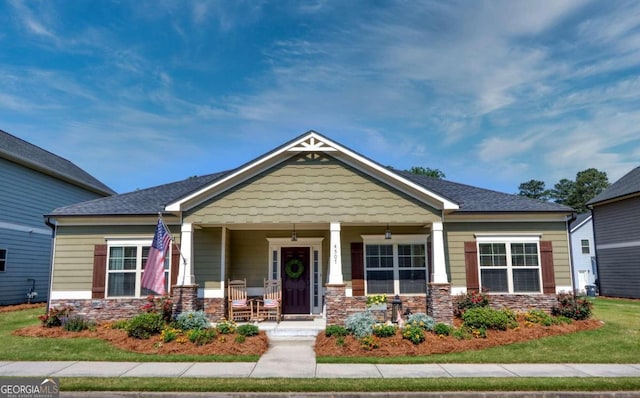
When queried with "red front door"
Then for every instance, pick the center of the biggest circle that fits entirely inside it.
(295, 281)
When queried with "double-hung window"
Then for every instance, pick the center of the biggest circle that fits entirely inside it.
(584, 243)
(125, 265)
(510, 265)
(396, 266)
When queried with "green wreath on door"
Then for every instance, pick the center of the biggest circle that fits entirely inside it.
(289, 268)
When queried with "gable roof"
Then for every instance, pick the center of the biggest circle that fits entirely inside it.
(313, 142)
(21, 152)
(172, 197)
(580, 220)
(628, 185)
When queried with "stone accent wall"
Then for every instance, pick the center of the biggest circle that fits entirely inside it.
(214, 308)
(523, 302)
(104, 309)
(439, 303)
(185, 298)
(336, 303)
(339, 307)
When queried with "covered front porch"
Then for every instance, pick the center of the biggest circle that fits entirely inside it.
(320, 273)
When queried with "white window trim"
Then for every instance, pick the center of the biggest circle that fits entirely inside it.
(507, 240)
(139, 243)
(6, 256)
(582, 246)
(418, 239)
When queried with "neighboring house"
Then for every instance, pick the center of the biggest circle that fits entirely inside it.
(33, 182)
(616, 224)
(359, 227)
(583, 254)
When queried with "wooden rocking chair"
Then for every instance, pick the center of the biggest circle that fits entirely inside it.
(239, 306)
(270, 305)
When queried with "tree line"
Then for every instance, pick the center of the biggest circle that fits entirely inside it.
(573, 193)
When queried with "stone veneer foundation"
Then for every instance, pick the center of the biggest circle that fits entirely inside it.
(439, 305)
(103, 309)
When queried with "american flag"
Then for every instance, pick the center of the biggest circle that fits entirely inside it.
(153, 275)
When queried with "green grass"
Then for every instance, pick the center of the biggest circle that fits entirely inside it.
(618, 341)
(355, 385)
(17, 348)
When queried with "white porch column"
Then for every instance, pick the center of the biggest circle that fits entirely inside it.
(437, 247)
(185, 272)
(335, 256)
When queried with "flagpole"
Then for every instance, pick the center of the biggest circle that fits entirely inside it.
(184, 260)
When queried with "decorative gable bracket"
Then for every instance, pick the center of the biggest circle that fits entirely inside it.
(312, 144)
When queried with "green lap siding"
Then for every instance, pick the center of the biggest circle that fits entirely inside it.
(458, 233)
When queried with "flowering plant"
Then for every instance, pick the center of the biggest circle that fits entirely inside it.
(376, 299)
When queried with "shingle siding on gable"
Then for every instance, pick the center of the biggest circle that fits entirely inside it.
(618, 267)
(312, 191)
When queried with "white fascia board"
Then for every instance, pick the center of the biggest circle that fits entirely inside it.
(586, 220)
(177, 206)
(311, 142)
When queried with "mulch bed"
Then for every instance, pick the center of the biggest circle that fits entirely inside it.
(224, 344)
(20, 307)
(433, 344)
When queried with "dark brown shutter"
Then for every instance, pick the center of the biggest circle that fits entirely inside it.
(546, 262)
(99, 271)
(175, 265)
(357, 268)
(471, 266)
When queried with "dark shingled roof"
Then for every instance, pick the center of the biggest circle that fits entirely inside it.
(580, 218)
(140, 202)
(153, 200)
(474, 199)
(19, 151)
(629, 184)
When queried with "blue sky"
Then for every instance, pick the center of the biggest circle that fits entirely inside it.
(493, 93)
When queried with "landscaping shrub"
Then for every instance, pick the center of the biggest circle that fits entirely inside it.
(77, 323)
(442, 329)
(201, 336)
(192, 320)
(169, 334)
(380, 330)
(414, 333)
(120, 324)
(540, 317)
(573, 307)
(226, 327)
(470, 300)
(360, 324)
(336, 330)
(144, 325)
(423, 320)
(488, 318)
(240, 339)
(248, 330)
(159, 305)
(369, 343)
(55, 316)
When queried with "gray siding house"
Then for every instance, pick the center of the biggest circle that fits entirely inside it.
(33, 182)
(616, 225)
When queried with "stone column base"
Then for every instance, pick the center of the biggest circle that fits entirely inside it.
(185, 298)
(439, 305)
(335, 304)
